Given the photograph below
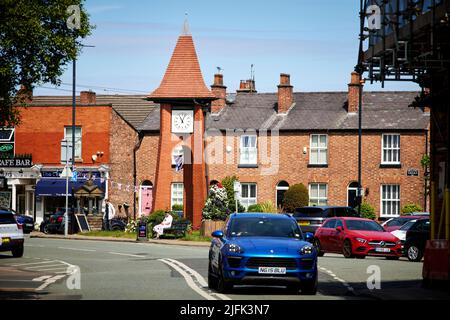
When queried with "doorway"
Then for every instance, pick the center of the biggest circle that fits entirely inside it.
(352, 191)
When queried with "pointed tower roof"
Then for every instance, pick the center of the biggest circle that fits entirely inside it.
(183, 78)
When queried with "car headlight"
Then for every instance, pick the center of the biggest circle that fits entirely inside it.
(361, 240)
(306, 249)
(234, 248)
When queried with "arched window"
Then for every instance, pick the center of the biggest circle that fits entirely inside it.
(281, 188)
(213, 182)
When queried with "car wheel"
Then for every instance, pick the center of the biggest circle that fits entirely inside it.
(46, 230)
(223, 286)
(17, 252)
(116, 228)
(309, 286)
(212, 279)
(320, 253)
(414, 253)
(347, 249)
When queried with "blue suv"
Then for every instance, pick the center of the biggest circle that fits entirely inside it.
(262, 248)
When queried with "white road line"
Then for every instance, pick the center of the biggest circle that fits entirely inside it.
(44, 266)
(77, 249)
(126, 254)
(26, 264)
(335, 277)
(55, 268)
(42, 278)
(199, 278)
(190, 282)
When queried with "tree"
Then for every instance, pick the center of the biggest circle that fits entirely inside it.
(228, 184)
(37, 40)
(216, 206)
(296, 196)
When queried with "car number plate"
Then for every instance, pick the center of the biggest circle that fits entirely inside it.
(29, 224)
(5, 240)
(272, 270)
(304, 223)
(382, 250)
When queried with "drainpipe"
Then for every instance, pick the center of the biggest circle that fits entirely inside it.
(135, 149)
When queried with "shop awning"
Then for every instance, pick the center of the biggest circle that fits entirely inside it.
(57, 187)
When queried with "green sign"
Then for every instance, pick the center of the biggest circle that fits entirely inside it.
(6, 147)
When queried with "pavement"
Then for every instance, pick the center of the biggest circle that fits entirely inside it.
(177, 242)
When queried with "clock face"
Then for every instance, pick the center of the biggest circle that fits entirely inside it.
(182, 121)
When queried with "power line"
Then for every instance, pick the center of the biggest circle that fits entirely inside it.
(105, 88)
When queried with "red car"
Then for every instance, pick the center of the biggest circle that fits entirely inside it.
(356, 237)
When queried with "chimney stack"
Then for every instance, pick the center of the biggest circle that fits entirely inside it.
(87, 98)
(247, 86)
(285, 96)
(220, 91)
(353, 92)
(24, 95)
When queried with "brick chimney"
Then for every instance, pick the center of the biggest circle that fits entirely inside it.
(220, 91)
(353, 92)
(285, 96)
(87, 97)
(247, 86)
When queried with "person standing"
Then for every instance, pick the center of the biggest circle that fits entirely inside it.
(109, 213)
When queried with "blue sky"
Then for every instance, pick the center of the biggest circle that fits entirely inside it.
(315, 42)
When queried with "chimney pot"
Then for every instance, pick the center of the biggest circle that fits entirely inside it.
(88, 97)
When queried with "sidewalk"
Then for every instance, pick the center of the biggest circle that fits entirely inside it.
(35, 234)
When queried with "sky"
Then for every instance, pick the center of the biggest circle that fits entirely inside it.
(315, 41)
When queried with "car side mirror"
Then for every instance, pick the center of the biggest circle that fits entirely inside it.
(217, 234)
(309, 237)
(339, 229)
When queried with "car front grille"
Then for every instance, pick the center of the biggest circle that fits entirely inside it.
(234, 262)
(377, 244)
(288, 263)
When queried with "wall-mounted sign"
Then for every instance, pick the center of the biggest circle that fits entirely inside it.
(80, 174)
(412, 172)
(16, 163)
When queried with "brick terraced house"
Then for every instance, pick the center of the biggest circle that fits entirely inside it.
(268, 140)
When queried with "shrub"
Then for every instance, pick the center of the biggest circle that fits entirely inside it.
(216, 206)
(296, 196)
(177, 207)
(254, 208)
(131, 226)
(367, 211)
(268, 207)
(411, 207)
(228, 184)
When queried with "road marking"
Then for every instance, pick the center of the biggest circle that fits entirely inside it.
(126, 254)
(199, 278)
(190, 282)
(77, 249)
(26, 264)
(55, 278)
(55, 268)
(335, 277)
(42, 278)
(43, 266)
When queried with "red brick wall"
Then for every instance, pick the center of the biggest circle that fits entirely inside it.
(42, 130)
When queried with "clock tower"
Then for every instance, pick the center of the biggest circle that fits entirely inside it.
(184, 99)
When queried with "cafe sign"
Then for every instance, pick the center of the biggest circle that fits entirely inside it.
(16, 163)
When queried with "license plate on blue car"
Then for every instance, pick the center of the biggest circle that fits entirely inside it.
(272, 270)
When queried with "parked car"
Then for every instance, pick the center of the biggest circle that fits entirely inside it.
(26, 221)
(395, 223)
(416, 239)
(356, 237)
(311, 218)
(11, 234)
(401, 233)
(53, 224)
(418, 214)
(262, 248)
(117, 224)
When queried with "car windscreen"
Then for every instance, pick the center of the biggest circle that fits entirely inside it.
(264, 227)
(7, 218)
(363, 225)
(398, 222)
(309, 213)
(408, 225)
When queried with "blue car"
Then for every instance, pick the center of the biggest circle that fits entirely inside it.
(262, 248)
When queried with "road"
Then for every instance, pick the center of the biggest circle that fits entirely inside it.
(83, 269)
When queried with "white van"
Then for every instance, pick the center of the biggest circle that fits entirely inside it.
(11, 234)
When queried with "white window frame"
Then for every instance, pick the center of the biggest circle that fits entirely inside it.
(318, 148)
(174, 199)
(178, 150)
(252, 152)
(391, 200)
(316, 200)
(392, 149)
(246, 202)
(80, 141)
